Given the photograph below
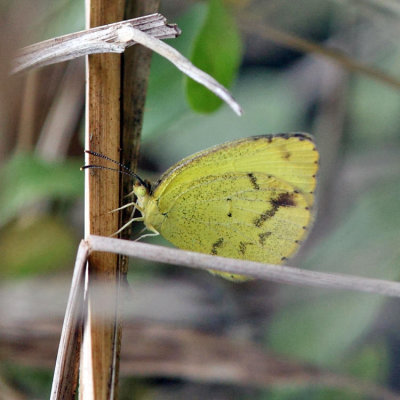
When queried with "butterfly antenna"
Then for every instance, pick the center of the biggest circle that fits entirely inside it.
(127, 171)
(94, 153)
(92, 166)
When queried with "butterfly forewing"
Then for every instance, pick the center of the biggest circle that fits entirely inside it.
(292, 158)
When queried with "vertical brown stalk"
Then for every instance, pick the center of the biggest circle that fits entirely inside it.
(103, 128)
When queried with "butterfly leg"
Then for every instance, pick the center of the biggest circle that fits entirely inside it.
(153, 233)
(129, 194)
(136, 207)
(127, 224)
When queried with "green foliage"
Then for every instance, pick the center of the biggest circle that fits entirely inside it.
(34, 382)
(26, 179)
(34, 246)
(217, 51)
(370, 362)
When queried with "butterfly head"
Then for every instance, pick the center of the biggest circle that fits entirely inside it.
(142, 191)
(141, 188)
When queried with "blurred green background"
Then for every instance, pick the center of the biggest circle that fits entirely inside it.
(252, 47)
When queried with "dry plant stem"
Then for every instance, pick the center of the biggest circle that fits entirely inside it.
(98, 378)
(102, 39)
(127, 34)
(275, 273)
(66, 369)
(183, 65)
(251, 24)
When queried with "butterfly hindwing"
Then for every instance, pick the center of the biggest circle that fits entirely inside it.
(250, 199)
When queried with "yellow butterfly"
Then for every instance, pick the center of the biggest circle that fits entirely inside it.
(250, 199)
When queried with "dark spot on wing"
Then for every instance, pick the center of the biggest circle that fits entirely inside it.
(264, 216)
(283, 200)
(229, 200)
(253, 181)
(215, 246)
(243, 246)
(263, 237)
(286, 155)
